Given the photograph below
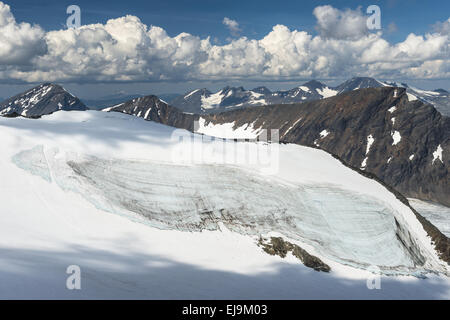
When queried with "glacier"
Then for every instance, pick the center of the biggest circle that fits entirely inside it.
(350, 228)
(87, 178)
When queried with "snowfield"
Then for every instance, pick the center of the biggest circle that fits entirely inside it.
(437, 214)
(227, 130)
(109, 193)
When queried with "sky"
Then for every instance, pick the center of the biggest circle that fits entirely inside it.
(174, 46)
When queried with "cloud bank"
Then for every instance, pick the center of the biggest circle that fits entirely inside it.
(125, 49)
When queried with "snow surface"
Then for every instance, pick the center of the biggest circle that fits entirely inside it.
(306, 89)
(425, 92)
(293, 126)
(392, 109)
(256, 98)
(382, 83)
(191, 93)
(48, 221)
(324, 133)
(370, 141)
(437, 214)
(396, 137)
(411, 97)
(327, 92)
(364, 163)
(437, 155)
(213, 101)
(227, 130)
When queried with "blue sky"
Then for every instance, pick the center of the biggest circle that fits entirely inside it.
(204, 19)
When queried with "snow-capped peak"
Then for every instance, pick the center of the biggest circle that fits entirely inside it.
(41, 100)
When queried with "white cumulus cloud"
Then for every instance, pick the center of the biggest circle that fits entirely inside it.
(125, 49)
(442, 27)
(340, 24)
(19, 42)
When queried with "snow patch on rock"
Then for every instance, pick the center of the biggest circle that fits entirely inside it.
(212, 101)
(324, 133)
(327, 92)
(396, 137)
(392, 109)
(437, 154)
(228, 130)
(370, 141)
(411, 97)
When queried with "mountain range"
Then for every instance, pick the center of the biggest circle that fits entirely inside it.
(34, 102)
(202, 101)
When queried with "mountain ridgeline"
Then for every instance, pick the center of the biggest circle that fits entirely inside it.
(383, 131)
(203, 101)
(48, 98)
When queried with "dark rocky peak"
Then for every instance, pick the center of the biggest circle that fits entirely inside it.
(41, 100)
(358, 83)
(233, 90)
(152, 108)
(314, 84)
(140, 107)
(441, 91)
(262, 90)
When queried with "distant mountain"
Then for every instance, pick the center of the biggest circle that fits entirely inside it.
(194, 101)
(262, 90)
(441, 91)
(439, 98)
(110, 100)
(41, 100)
(114, 99)
(168, 96)
(203, 101)
(153, 108)
(359, 83)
